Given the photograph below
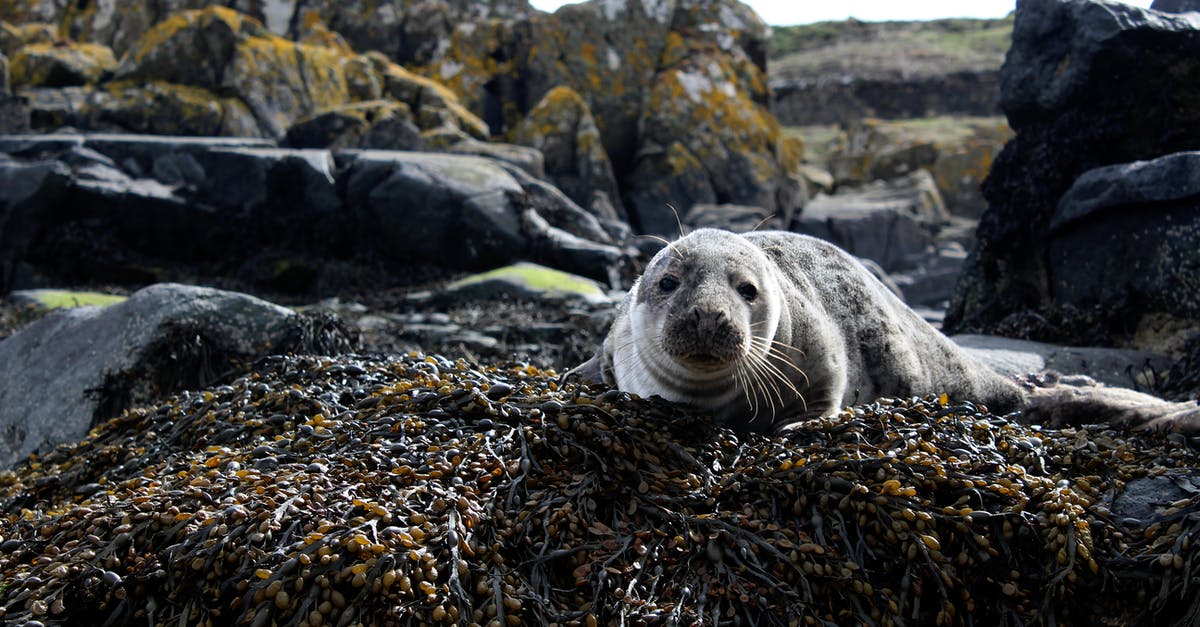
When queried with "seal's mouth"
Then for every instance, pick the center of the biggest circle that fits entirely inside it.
(704, 361)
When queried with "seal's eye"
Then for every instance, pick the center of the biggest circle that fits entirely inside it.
(748, 291)
(668, 284)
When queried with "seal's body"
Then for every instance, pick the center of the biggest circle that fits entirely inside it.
(765, 329)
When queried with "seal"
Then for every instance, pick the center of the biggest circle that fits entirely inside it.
(768, 329)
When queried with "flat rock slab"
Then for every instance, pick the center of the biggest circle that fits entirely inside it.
(1112, 366)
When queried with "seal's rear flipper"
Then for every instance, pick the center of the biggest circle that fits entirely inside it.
(1057, 401)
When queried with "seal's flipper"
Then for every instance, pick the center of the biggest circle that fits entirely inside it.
(598, 369)
(1074, 400)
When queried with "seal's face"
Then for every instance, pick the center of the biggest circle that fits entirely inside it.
(703, 312)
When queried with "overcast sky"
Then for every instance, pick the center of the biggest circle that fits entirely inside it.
(785, 12)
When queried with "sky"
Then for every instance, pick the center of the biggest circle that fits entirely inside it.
(787, 12)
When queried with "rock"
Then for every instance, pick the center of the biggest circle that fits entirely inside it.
(417, 206)
(1145, 217)
(1085, 85)
(701, 123)
(959, 157)
(1175, 6)
(219, 72)
(736, 218)
(14, 115)
(890, 223)
(26, 191)
(561, 126)
(16, 34)
(5, 80)
(77, 367)
(375, 124)
(1112, 366)
(147, 209)
(843, 99)
(220, 50)
(528, 159)
(840, 72)
(438, 109)
(523, 281)
(931, 282)
(160, 108)
(61, 64)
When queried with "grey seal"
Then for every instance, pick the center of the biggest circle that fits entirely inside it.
(768, 329)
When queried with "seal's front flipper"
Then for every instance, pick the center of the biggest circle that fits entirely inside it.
(598, 369)
(1075, 400)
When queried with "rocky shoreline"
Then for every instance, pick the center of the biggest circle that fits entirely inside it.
(386, 438)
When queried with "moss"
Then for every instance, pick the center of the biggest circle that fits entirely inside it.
(535, 277)
(65, 299)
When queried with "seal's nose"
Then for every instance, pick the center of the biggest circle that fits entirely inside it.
(707, 320)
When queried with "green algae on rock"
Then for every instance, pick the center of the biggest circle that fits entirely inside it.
(420, 489)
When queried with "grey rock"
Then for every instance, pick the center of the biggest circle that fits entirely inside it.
(1045, 70)
(1165, 179)
(62, 374)
(1088, 85)
(1145, 500)
(931, 283)
(27, 191)
(1112, 366)
(528, 159)
(890, 222)
(1175, 6)
(417, 206)
(736, 218)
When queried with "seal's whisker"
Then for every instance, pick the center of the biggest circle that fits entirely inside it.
(678, 222)
(765, 359)
(767, 378)
(669, 244)
(762, 222)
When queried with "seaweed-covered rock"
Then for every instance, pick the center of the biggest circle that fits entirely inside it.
(1085, 85)
(424, 489)
(77, 367)
(61, 64)
(561, 126)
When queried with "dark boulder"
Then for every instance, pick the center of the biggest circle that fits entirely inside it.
(1085, 85)
(134, 209)
(1175, 6)
(75, 368)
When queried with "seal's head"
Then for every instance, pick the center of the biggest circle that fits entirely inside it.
(703, 319)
